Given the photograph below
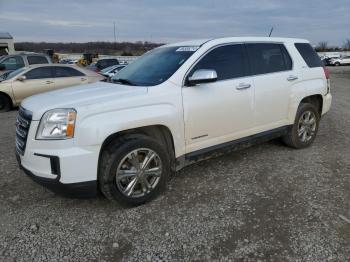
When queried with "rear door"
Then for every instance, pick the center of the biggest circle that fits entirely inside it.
(68, 76)
(38, 80)
(273, 76)
(221, 111)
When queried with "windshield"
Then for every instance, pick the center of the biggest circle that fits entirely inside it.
(9, 74)
(154, 67)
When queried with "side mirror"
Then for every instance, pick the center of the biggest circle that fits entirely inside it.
(201, 76)
(2, 67)
(21, 78)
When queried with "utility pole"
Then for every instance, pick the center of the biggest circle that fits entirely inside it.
(115, 36)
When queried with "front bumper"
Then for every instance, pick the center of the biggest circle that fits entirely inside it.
(61, 166)
(75, 190)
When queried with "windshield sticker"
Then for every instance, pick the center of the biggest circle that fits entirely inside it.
(187, 49)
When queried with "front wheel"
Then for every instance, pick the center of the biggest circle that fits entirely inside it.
(305, 127)
(134, 170)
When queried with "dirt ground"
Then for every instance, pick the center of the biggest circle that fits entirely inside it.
(268, 203)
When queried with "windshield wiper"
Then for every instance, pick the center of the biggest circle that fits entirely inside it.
(123, 81)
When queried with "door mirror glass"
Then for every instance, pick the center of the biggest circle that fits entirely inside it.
(21, 78)
(201, 76)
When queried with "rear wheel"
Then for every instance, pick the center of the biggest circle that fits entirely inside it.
(337, 64)
(305, 127)
(5, 104)
(134, 170)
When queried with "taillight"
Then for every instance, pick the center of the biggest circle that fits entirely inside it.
(326, 72)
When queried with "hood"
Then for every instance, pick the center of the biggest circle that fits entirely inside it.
(99, 93)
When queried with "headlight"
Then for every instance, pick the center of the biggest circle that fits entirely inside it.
(57, 124)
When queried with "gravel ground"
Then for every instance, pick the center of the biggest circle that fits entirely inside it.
(267, 203)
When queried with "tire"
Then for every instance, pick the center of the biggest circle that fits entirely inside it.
(5, 103)
(295, 137)
(119, 164)
(337, 64)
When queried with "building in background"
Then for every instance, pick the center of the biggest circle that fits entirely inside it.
(6, 44)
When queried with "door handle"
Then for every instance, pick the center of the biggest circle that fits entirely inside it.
(49, 82)
(242, 86)
(83, 79)
(292, 78)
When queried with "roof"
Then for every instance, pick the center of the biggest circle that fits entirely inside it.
(5, 35)
(60, 65)
(199, 42)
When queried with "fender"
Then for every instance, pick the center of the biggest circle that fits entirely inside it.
(93, 130)
(6, 88)
(304, 89)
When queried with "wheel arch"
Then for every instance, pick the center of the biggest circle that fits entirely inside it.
(8, 97)
(316, 100)
(158, 132)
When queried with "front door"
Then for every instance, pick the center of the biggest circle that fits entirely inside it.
(221, 111)
(38, 80)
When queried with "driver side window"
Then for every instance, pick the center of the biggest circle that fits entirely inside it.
(228, 61)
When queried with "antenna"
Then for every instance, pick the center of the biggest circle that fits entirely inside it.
(271, 31)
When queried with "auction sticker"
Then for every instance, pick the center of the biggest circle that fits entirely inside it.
(187, 49)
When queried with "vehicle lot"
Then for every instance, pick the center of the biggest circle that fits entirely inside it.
(268, 202)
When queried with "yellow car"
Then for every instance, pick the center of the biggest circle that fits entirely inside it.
(35, 79)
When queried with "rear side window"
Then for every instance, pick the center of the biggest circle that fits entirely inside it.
(268, 58)
(33, 60)
(309, 55)
(61, 71)
(39, 73)
(228, 61)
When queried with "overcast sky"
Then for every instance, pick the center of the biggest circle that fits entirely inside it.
(174, 20)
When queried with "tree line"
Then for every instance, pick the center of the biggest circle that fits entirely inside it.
(323, 46)
(127, 48)
(108, 48)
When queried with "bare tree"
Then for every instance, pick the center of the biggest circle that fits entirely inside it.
(346, 45)
(322, 46)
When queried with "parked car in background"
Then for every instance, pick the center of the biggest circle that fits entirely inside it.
(14, 62)
(103, 63)
(326, 60)
(68, 61)
(110, 71)
(175, 105)
(35, 79)
(345, 60)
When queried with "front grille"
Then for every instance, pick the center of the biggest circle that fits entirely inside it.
(23, 121)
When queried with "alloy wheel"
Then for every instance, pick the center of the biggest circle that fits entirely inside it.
(307, 126)
(139, 172)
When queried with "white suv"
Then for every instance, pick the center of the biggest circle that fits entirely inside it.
(175, 105)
